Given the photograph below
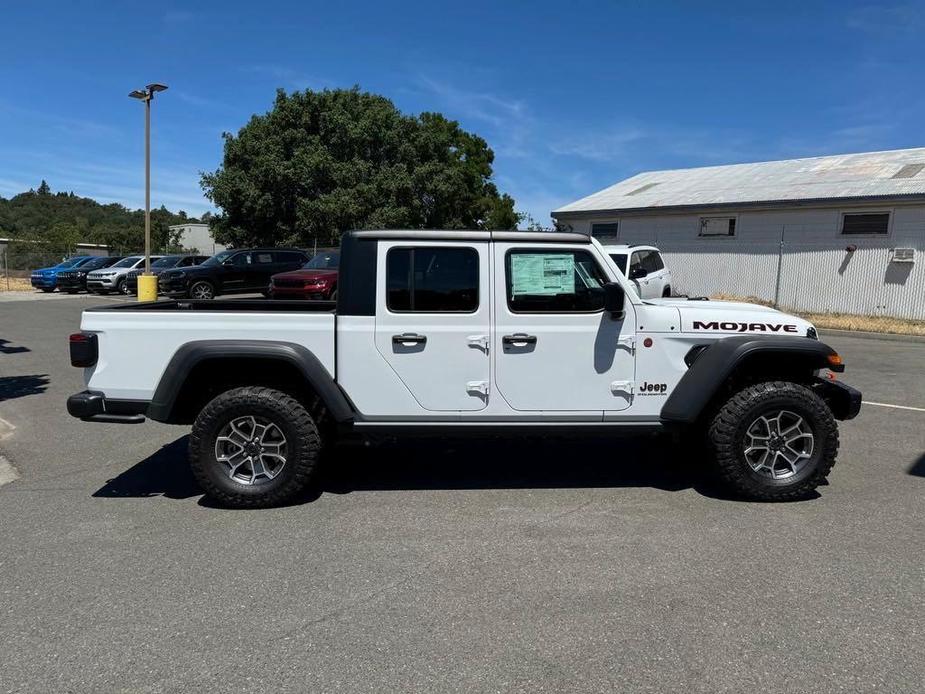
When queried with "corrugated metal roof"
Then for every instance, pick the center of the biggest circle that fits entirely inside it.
(864, 175)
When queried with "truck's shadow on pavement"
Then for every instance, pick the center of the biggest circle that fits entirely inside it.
(12, 387)
(445, 464)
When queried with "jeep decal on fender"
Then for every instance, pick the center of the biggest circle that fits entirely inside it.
(729, 326)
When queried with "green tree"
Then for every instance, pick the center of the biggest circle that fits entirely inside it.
(321, 163)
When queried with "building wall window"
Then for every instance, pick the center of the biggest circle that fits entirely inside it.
(717, 226)
(605, 232)
(866, 224)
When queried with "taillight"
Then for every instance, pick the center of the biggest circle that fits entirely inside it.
(84, 351)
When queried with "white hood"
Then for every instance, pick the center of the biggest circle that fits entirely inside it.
(728, 317)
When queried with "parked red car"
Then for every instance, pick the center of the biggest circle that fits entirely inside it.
(317, 279)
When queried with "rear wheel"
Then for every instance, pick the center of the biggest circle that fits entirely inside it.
(254, 447)
(774, 441)
(202, 290)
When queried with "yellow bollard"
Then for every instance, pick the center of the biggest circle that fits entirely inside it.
(147, 287)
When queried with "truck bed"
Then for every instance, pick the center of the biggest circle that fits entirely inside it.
(225, 305)
(138, 340)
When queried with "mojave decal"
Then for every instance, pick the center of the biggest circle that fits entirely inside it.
(730, 326)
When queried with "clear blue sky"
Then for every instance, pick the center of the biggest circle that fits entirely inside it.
(571, 96)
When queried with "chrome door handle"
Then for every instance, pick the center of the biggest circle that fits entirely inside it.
(409, 339)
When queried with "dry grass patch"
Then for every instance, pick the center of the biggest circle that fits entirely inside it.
(15, 284)
(842, 321)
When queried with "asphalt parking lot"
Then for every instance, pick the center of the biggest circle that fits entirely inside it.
(524, 566)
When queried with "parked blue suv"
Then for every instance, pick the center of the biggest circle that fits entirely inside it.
(46, 278)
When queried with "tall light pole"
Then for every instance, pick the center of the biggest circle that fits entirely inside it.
(147, 95)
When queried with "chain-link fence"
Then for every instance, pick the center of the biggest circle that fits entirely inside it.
(19, 258)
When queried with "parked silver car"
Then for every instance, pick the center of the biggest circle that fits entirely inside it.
(113, 278)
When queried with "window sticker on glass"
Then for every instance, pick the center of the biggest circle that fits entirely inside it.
(542, 274)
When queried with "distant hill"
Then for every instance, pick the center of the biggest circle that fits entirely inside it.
(61, 220)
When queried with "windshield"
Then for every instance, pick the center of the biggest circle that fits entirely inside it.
(95, 263)
(219, 258)
(620, 260)
(167, 261)
(128, 262)
(325, 260)
(70, 262)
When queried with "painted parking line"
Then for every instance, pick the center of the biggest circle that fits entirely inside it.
(7, 472)
(895, 407)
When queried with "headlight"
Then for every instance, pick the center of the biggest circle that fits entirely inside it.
(81, 274)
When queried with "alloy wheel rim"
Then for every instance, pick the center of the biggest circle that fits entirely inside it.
(779, 444)
(251, 450)
(201, 291)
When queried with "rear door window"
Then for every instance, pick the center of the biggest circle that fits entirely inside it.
(652, 262)
(620, 260)
(432, 280)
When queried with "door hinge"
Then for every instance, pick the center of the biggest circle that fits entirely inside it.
(622, 387)
(480, 387)
(629, 342)
(480, 341)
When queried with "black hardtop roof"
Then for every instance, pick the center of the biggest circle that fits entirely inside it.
(269, 248)
(472, 235)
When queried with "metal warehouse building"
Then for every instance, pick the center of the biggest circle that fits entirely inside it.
(840, 233)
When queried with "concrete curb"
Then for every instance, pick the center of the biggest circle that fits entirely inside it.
(895, 337)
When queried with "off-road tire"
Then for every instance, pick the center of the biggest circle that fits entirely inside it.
(285, 412)
(727, 432)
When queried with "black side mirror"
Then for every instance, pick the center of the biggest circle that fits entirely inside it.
(614, 296)
(638, 272)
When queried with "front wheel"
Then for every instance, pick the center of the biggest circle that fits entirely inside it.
(774, 441)
(48, 290)
(666, 293)
(122, 287)
(254, 447)
(202, 290)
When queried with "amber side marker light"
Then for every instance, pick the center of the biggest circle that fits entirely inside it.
(836, 363)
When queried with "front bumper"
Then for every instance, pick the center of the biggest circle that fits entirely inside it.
(172, 286)
(66, 283)
(843, 400)
(101, 282)
(40, 282)
(92, 406)
(298, 293)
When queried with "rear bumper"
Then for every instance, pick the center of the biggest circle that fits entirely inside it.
(92, 406)
(843, 400)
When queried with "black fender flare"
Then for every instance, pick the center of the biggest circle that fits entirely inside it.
(717, 362)
(189, 355)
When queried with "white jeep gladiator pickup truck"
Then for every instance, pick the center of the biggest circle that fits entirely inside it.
(459, 333)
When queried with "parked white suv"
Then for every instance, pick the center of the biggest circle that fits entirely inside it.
(647, 270)
(114, 278)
